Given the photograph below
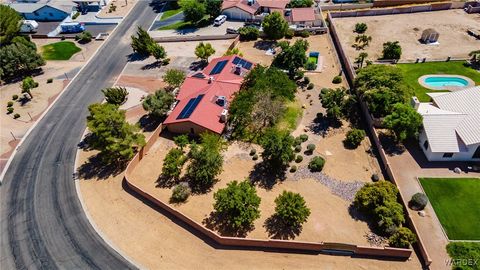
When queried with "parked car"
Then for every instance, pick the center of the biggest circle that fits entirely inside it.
(232, 30)
(72, 27)
(28, 26)
(220, 20)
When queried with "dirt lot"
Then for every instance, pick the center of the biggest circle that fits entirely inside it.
(204, 31)
(407, 28)
(122, 8)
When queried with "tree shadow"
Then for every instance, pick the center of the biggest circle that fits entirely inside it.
(197, 65)
(217, 222)
(266, 177)
(149, 123)
(94, 167)
(264, 44)
(133, 57)
(359, 216)
(165, 182)
(390, 145)
(154, 65)
(321, 124)
(24, 100)
(277, 229)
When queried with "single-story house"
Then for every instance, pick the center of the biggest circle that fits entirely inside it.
(247, 9)
(43, 12)
(451, 125)
(204, 97)
(302, 16)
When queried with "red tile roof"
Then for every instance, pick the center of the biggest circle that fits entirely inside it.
(280, 4)
(302, 14)
(207, 113)
(241, 4)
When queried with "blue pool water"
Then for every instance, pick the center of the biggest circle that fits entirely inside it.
(445, 81)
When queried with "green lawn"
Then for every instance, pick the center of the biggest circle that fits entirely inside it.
(457, 205)
(62, 50)
(412, 72)
(186, 25)
(169, 13)
(291, 116)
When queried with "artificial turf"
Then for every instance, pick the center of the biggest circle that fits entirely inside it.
(62, 50)
(412, 72)
(457, 205)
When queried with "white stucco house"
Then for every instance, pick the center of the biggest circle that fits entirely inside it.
(451, 125)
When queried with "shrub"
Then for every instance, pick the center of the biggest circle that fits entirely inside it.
(297, 141)
(311, 147)
(361, 28)
(289, 34)
(418, 201)
(159, 103)
(14, 97)
(180, 193)
(373, 195)
(298, 148)
(181, 141)
(9, 110)
(389, 216)
(337, 79)
(304, 137)
(15, 116)
(9, 104)
(464, 251)
(84, 37)
(293, 168)
(304, 34)
(310, 86)
(354, 137)
(166, 61)
(291, 208)
(316, 164)
(248, 33)
(306, 80)
(253, 151)
(49, 80)
(115, 95)
(298, 159)
(255, 157)
(310, 65)
(402, 238)
(173, 164)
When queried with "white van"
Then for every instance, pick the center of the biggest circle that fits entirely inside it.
(219, 20)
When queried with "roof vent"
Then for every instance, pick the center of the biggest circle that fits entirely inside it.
(250, 2)
(210, 79)
(238, 69)
(221, 101)
(223, 116)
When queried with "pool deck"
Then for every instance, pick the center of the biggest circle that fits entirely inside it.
(421, 81)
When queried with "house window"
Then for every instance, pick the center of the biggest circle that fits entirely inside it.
(425, 145)
(447, 155)
(477, 153)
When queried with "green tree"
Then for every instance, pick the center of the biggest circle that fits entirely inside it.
(174, 78)
(334, 101)
(159, 103)
(354, 137)
(10, 22)
(404, 121)
(403, 238)
(157, 51)
(300, 3)
(142, 43)
(181, 141)
(213, 7)
(248, 33)
(237, 204)
(361, 28)
(27, 85)
(392, 50)
(173, 163)
(291, 208)
(277, 148)
(192, 10)
(204, 51)
(206, 162)
(361, 58)
(293, 57)
(115, 95)
(274, 26)
(19, 58)
(362, 41)
(112, 134)
(234, 51)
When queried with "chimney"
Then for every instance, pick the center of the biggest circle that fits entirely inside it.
(210, 79)
(415, 103)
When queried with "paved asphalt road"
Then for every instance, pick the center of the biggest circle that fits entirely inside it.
(42, 222)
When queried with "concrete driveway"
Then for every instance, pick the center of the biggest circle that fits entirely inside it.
(204, 31)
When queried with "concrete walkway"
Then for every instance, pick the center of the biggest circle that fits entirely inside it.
(409, 165)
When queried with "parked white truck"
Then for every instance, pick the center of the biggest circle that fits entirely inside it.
(29, 26)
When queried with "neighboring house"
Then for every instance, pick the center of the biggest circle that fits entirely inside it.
(247, 9)
(301, 16)
(43, 12)
(451, 125)
(204, 97)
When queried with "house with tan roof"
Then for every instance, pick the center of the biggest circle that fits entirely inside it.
(204, 97)
(451, 125)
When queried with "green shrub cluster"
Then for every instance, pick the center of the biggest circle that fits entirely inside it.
(248, 33)
(180, 193)
(316, 164)
(354, 137)
(337, 79)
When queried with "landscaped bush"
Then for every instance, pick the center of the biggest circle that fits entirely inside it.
(115, 95)
(9, 110)
(9, 104)
(14, 97)
(316, 164)
(289, 33)
(298, 159)
(49, 80)
(298, 148)
(418, 201)
(291, 208)
(310, 86)
(173, 164)
(465, 251)
(293, 168)
(303, 137)
(361, 28)
(255, 157)
(304, 34)
(402, 238)
(337, 79)
(354, 137)
(180, 193)
(306, 80)
(253, 151)
(248, 33)
(310, 65)
(15, 116)
(311, 147)
(84, 37)
(166, 61)
(297, 141)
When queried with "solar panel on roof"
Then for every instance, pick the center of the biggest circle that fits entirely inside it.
(218, 67)
(244, 63)
(190, 107)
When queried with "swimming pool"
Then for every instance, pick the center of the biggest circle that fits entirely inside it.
(446, 81)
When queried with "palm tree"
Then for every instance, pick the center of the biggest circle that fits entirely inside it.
(363, 40)
(361, 57)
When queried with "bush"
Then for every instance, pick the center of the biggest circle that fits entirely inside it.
(310, 86)
(15, 116)
(115, 95)
(49, 80)
(9, 110)
(255, 157)
(253, 151)
(306, 80)
(166, 61)
(289, 34)
(291, 208)
(316, 164)
(173, 164)
(84, 37)
(310, 65)
(303, 137)
(311, 147)
(354, 137)
(293, 168)
(304, 34)
(9, 104)
(298, 148)
(402, 238)
(337, 79)
(464, 251)
(14, 97)
(180, 193)
(298, 159)
(418, 201)
(373, 195)
(248, 33)
(360, 28)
